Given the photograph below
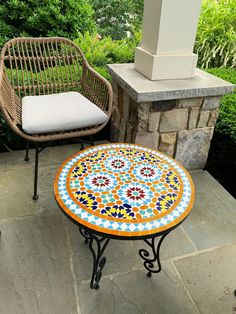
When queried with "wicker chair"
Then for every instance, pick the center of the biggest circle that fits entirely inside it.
(45, 66)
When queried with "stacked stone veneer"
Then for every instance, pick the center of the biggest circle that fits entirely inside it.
(180, 128)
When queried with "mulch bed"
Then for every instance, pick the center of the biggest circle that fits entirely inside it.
(221, 163)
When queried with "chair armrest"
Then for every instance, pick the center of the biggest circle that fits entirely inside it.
(10, 103)
(97, 89)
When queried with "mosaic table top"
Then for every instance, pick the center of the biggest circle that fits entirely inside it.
(124, 190)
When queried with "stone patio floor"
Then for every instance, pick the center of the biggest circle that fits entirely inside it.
(45, 266)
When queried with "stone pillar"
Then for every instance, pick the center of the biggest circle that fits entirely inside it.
(176, 117)
(169, 31)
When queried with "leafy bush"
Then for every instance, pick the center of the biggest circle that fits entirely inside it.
(226, 123)
(36, 18)
(216, 35)
(100, 52)
(116, 17)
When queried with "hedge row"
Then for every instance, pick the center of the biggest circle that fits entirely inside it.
(226, 123)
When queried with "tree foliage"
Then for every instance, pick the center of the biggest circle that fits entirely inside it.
(67, 18)
(116, 17)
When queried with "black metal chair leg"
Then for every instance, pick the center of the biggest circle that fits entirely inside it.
(27, 151)
(91, 140)
(81, 145)
(35, 196)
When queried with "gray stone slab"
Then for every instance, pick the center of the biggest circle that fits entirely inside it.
(175, 244)
(121, 255)
(167, 143)
(141, 89)
(203, 118)
(212, 220)
(190, 102)
(150, 139)
(174, 120)
(35, 275)
(17, 189)
(193, 147)
(16, 181)
(211, 103)
(193, 117)
(49, 156)
(135, 293)
(213, 117)
(153, 121)
(210, 279)
(13, 160)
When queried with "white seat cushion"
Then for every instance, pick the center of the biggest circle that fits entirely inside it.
(59, 112)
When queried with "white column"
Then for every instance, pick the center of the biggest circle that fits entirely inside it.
(169, 31)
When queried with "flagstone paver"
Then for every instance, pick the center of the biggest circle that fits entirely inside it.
(135, 293)
(210, 278)
(212, 221)
(45, 266)
(35, 272)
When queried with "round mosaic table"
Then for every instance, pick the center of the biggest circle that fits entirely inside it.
(123, 191)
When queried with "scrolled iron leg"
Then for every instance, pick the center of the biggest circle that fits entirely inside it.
(97, 246)
(154, 258)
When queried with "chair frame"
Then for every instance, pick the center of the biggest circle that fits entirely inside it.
(27, 59)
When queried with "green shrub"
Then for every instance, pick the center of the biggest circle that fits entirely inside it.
(226, 123)
(67, 18)
(100, 52)
(216, 36)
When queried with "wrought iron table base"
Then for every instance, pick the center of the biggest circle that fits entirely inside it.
(154, 258)
(97, 250)
(98, 244)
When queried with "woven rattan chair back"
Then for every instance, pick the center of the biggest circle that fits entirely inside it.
(40, 66)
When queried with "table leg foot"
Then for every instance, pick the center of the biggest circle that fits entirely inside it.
(152, 260)
(97, 246)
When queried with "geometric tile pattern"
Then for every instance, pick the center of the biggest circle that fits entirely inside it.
(124, 190)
